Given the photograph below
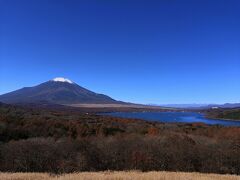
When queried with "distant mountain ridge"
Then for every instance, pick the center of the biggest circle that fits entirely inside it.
(226, 105)
(56, 91)
(202, 106)
(184, 105)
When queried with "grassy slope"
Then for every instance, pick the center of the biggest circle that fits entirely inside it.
(132, 175)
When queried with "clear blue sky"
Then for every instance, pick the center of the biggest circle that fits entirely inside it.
(166, 51)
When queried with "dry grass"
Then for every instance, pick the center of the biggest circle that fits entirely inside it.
(132, 175)
(118, 106)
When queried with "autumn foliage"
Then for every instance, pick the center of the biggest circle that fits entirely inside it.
(60, 141)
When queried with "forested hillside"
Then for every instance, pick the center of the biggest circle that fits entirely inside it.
(231, 114)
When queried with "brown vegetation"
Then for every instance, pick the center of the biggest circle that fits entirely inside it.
(62, 142)
(230, 114)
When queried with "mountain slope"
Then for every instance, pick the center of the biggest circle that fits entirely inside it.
(57, 91)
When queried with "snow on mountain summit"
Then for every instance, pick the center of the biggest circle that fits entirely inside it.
(61, 79)
(56, 91)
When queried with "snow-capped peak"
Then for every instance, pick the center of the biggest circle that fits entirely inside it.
(61, 79)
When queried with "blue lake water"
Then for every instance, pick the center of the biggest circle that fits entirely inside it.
(170, 117)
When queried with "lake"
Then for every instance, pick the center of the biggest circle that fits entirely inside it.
(171, 117)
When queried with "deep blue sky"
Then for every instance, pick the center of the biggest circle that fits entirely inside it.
(166, 51)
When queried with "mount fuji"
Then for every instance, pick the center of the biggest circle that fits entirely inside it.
(57, 91)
